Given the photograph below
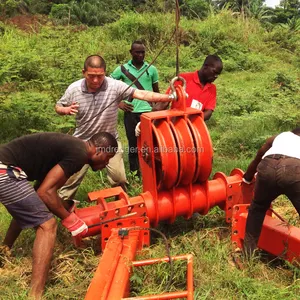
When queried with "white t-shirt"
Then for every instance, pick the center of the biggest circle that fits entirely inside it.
(286, 143)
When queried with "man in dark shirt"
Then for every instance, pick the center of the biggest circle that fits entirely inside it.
(50, 159)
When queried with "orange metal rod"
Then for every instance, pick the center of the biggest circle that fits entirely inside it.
(184, 201)
(179, 201)
(166, 296)
(179, 294)
(151, 261)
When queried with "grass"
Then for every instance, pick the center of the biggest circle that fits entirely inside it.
(258, 96)
(206, 237)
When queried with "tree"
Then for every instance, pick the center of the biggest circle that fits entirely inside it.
(287, 10)
(9, 8)
(257, 10)
(195, 8)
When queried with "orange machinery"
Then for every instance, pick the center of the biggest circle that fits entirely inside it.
(176, 155)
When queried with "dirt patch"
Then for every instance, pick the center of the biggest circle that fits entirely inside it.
(28, 23)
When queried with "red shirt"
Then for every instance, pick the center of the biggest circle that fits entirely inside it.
(206, 95)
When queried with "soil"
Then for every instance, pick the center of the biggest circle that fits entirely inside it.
(28, 23)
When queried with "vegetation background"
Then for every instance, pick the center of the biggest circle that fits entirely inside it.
(43, 46)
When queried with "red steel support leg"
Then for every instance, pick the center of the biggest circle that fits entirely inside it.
(277, 237)
(111, 280)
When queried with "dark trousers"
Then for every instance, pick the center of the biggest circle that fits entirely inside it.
(130, 122)
(277, 175)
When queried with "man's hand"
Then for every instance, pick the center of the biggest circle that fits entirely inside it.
(138, 129)
(126, 106)
(72, 109)
(74, 225)
(68, 110)
(246, 181)
(173, 97)
(70, 204)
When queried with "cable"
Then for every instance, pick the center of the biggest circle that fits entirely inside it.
(167, 250)
(121, 96)
(177, 19)
(176, 31)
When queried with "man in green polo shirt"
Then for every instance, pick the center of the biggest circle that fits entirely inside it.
(133, 108)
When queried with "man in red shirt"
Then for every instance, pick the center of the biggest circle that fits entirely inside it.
(202, 93)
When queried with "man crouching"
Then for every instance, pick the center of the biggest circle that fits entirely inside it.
(50, 159)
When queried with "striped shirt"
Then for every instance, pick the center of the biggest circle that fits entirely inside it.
(11, 171)
(13, 187)
(97, 111)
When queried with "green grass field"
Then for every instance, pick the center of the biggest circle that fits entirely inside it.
(258, 96)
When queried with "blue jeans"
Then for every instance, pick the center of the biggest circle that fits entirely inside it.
(277, 175)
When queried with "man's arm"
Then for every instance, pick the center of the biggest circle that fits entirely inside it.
(158, 106)
(207, 114)
(47, 191)
(251, 170)
(155, 87)
(152, 96)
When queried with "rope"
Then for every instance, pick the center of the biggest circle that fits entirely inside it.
(121, 96)
(177, 19)
(176, 33)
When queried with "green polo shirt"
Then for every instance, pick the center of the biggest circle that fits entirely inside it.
(146, 80)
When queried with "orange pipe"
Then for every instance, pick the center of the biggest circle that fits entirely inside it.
(179, 201)
(166, 296)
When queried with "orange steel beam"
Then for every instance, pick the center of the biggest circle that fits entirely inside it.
(111, 279)
(277, 237)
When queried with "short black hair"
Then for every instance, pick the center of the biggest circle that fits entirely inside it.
(212, 59)
(105, 141)
(296, 131)
(137, 42)
(94, 61)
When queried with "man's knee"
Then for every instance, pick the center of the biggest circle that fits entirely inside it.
(49, 226)
(257, 207)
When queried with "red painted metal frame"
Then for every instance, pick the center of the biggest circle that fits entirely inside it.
(105, 216)
(111, 279)
(277, 237)
(175, 153)
(222, 191)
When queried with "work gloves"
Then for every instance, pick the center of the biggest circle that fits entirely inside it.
(138, 129)
(247, 181)
(75, 225)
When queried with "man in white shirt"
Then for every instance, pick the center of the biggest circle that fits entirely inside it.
(277, 164)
